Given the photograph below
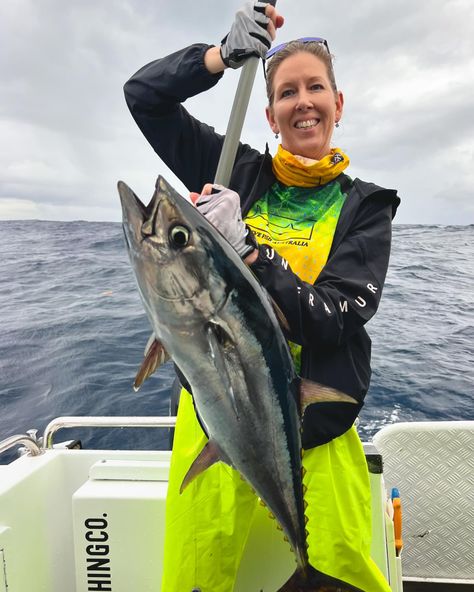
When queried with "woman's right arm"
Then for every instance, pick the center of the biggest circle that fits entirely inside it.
(190, 148)
(155, 94)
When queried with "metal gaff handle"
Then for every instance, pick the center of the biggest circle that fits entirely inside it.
(236, 119)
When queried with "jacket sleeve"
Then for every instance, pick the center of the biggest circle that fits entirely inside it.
(347, 292)
(154, 94)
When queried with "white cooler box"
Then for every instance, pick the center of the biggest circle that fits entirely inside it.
(118, 517)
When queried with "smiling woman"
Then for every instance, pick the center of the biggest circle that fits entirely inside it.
(319, 242)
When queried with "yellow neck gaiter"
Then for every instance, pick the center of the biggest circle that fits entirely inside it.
(296, 171)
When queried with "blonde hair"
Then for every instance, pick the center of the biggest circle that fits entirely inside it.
(315, 48)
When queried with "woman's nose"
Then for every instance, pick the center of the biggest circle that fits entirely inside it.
(304, 101)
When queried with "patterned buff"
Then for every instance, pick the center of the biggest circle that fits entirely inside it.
(302, 172)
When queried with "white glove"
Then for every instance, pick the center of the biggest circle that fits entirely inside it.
(248, 35)
(222, 209)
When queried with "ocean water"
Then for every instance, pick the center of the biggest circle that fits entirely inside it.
(73, 331)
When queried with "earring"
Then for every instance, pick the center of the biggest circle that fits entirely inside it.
(337, 123)
(277, 135)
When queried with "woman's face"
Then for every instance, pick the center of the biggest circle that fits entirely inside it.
(305, 108)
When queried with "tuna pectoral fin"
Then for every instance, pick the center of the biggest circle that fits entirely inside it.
(312, 580)
(208, 456)
(313, 392)
(155, 356)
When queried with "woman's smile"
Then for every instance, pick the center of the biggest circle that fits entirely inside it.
(309, 123)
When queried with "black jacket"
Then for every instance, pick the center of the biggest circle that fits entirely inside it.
(326, 318)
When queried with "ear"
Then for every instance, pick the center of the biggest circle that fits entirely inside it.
(271, 119)
(339, 105)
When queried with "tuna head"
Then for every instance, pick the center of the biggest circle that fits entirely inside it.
(174, 252)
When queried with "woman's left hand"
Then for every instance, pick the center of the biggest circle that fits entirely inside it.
(221, 206)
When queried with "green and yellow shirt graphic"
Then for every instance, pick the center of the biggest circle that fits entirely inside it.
(299, 223)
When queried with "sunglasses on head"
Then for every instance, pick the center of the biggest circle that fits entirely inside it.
(281, 46)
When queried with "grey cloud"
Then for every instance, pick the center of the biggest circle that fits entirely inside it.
(68, 135)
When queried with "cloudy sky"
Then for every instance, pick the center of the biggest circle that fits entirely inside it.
(406, 69)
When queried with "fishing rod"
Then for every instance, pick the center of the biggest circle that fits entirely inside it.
(236, 119)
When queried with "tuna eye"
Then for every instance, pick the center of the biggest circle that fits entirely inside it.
(179, 236)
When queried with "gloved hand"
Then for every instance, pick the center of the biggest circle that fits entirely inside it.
(222, 209)
(248, 35)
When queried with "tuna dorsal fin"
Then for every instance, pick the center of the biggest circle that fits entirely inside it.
(208, 456)
(313, 392)
(155, 356)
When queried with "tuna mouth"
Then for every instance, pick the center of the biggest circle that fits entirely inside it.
(307, 124)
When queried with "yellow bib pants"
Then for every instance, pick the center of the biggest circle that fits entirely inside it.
(208, 524)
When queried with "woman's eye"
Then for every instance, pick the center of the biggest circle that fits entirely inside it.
(287, 93)
(317, 86)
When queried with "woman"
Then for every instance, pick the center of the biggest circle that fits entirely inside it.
(324, 243)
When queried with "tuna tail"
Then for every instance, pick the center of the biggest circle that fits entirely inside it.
(312, 580)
